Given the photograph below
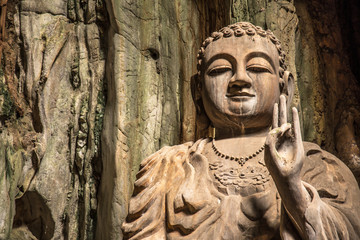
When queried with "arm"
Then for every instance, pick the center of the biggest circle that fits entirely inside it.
(313, 207)
(284, 158)
(146, 214)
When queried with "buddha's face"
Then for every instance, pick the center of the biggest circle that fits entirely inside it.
(240, 81)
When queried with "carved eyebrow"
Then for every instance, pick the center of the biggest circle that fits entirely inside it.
(226, 56)
(263, 55)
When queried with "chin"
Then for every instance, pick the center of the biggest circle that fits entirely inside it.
(244, 108)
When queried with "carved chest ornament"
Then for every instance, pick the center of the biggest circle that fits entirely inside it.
(240, 160)
(237, 179)
(240, 180)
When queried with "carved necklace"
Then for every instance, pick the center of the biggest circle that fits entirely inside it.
(240, 160)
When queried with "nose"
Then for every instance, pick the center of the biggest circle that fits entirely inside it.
(240, 79)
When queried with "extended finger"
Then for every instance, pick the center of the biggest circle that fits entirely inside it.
(283, 117)
(275, 123)
(296, 125)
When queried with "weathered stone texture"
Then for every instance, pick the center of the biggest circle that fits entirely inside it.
(51, 142)
(152, 46)
(328, 86)
(317, 37)
(144, 98)
(278, 16)
(53, 92)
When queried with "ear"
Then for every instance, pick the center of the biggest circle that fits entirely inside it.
(196, 90)
(287, 86)
(202, 121)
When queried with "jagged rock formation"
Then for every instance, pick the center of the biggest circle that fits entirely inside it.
(52, 84)
(152, 50)
(62, 59)
(327, 58)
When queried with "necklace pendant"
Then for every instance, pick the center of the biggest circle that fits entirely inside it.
(240, 160)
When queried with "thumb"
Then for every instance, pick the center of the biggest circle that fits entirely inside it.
(273, 138)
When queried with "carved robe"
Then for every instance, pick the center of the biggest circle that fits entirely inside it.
(180, 195)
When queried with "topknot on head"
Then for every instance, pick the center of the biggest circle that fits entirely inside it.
(240, 29)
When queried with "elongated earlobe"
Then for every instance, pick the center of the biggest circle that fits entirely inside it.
(196, 92)
(202, 120)
(287, 86)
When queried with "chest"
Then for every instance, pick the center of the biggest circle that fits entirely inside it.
(225, 200)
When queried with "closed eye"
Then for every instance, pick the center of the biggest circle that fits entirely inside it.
(219, 70)
(258, 69)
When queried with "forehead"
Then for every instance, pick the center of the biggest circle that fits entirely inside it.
(242, 47)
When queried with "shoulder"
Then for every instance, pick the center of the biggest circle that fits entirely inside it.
(335, 184)
(327, 173)
(159, 169)
(146, 214)
(317, 156)
(168, 150)
(155, 167)
(170, 154)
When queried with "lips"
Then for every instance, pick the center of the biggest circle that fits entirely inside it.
(240, 94)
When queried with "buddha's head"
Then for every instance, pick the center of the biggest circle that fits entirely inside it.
(241, 74)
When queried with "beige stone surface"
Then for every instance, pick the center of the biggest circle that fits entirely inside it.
(53, 89)
(54, 72)
(330, 91)
(182, 194)
(255, 177)
(149, 69)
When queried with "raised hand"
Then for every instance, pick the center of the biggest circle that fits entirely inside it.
(284, 150)
(284, 158)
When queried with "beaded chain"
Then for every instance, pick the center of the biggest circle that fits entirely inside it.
(240, 160)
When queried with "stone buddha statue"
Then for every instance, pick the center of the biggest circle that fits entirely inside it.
(254, 178)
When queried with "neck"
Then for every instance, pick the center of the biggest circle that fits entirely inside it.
(238, 143)
(224, 133)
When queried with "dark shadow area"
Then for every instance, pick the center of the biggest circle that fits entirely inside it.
(348, 13)
(32, 212)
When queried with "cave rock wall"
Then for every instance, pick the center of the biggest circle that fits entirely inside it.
(89, 88)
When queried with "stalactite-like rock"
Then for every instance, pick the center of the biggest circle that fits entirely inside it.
(54, 76)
